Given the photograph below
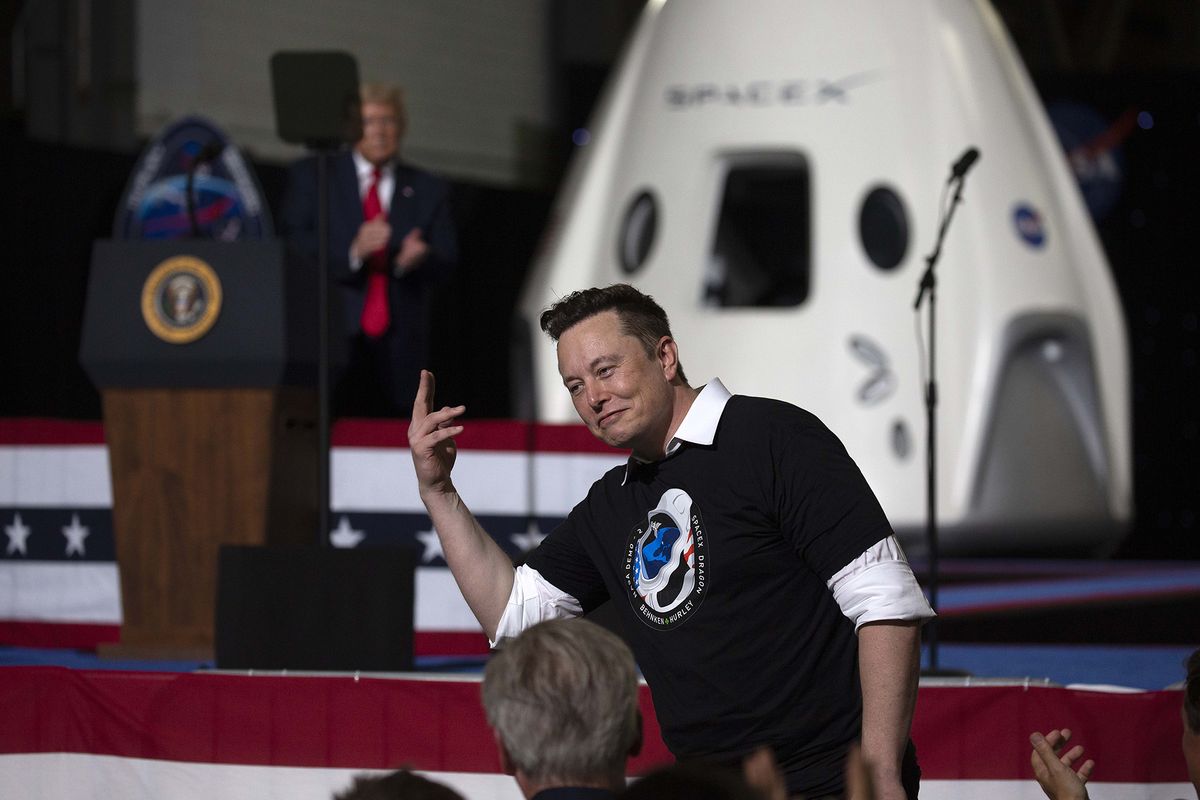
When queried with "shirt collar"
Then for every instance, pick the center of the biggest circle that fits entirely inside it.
(699, 424)
(365, 169)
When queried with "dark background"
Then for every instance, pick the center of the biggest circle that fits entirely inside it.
(58, 199)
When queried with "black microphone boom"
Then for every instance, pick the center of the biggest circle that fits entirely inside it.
(207, 153)
(927, 289)
(964, 163)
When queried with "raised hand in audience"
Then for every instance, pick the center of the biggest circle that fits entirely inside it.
(763, 774)
(859, 784)
(1055, 770)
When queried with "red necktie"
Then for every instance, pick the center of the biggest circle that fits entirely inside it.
(375, 316)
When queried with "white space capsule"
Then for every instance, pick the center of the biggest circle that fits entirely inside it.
(771, 173)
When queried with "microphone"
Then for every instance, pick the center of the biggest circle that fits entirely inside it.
(207, 153)
(964, 163)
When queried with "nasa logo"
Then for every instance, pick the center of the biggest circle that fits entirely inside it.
(666, 562)
(181, 299)
(226, 201)
(1029, 225)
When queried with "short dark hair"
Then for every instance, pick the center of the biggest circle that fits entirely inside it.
(1191, 693)
(691, 781)
(398, 785)
(641, 317)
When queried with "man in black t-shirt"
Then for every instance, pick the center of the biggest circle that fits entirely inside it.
(740, 544)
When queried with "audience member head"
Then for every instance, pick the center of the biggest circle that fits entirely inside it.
(1191, 719)
(562, 701)
(398, 785)
(691, 782)
(641, 317)
(385, 122)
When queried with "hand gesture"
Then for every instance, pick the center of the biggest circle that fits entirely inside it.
(1054, 772)
(413, 250)
(762, 773)
(430, 438)
(372, 236)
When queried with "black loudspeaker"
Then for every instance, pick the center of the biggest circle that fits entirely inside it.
(302, 608)
(316, 97)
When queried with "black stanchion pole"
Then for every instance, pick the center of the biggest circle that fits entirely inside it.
(324, 412)
(317, 105)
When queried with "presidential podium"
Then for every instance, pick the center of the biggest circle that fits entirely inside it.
(206, 357)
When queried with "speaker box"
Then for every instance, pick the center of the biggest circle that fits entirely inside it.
(301, 608)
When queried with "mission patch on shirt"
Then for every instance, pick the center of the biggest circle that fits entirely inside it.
(666, 561)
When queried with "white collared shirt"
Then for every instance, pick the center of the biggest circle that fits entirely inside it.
(366, 175)
(365, 171)
(878, 585)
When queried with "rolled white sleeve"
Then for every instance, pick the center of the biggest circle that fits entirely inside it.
(879, 585)
(533, 599)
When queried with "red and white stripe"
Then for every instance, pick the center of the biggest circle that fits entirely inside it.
(70, 734)
(57, 464)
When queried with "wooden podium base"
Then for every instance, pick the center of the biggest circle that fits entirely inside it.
(193, 469)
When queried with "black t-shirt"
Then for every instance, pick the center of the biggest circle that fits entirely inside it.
(717, 559)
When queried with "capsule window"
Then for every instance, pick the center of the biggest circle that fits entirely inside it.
(761, 251)
(883, 227)
(637, 232)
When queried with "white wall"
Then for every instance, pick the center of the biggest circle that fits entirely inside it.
(476, 73)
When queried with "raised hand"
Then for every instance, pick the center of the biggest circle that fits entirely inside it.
(431, 439)
(1055, 771)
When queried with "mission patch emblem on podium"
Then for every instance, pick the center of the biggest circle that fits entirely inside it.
(181, 299)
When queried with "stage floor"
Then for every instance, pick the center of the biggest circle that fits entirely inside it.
(1148, 667)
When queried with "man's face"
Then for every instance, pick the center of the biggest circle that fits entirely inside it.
(623, 395)
(1191, 751)
(381, 133)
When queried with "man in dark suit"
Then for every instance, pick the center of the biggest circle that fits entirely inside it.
(391, 241)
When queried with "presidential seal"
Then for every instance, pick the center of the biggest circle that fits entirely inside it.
(666, 562)
(181, 299)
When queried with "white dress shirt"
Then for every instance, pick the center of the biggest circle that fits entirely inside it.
(386, 189)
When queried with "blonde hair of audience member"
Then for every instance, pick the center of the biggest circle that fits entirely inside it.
(562, 701)
(390, 95)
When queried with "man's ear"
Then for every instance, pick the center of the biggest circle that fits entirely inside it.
(668, 357)
(506, 762)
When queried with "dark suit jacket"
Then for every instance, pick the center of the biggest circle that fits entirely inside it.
(573, 793)
(419, 201)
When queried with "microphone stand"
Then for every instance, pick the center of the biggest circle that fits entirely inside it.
(206, 154)
(928, 288)
(323, 150)
(191, 200)
(324, 411)
(316, 96)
